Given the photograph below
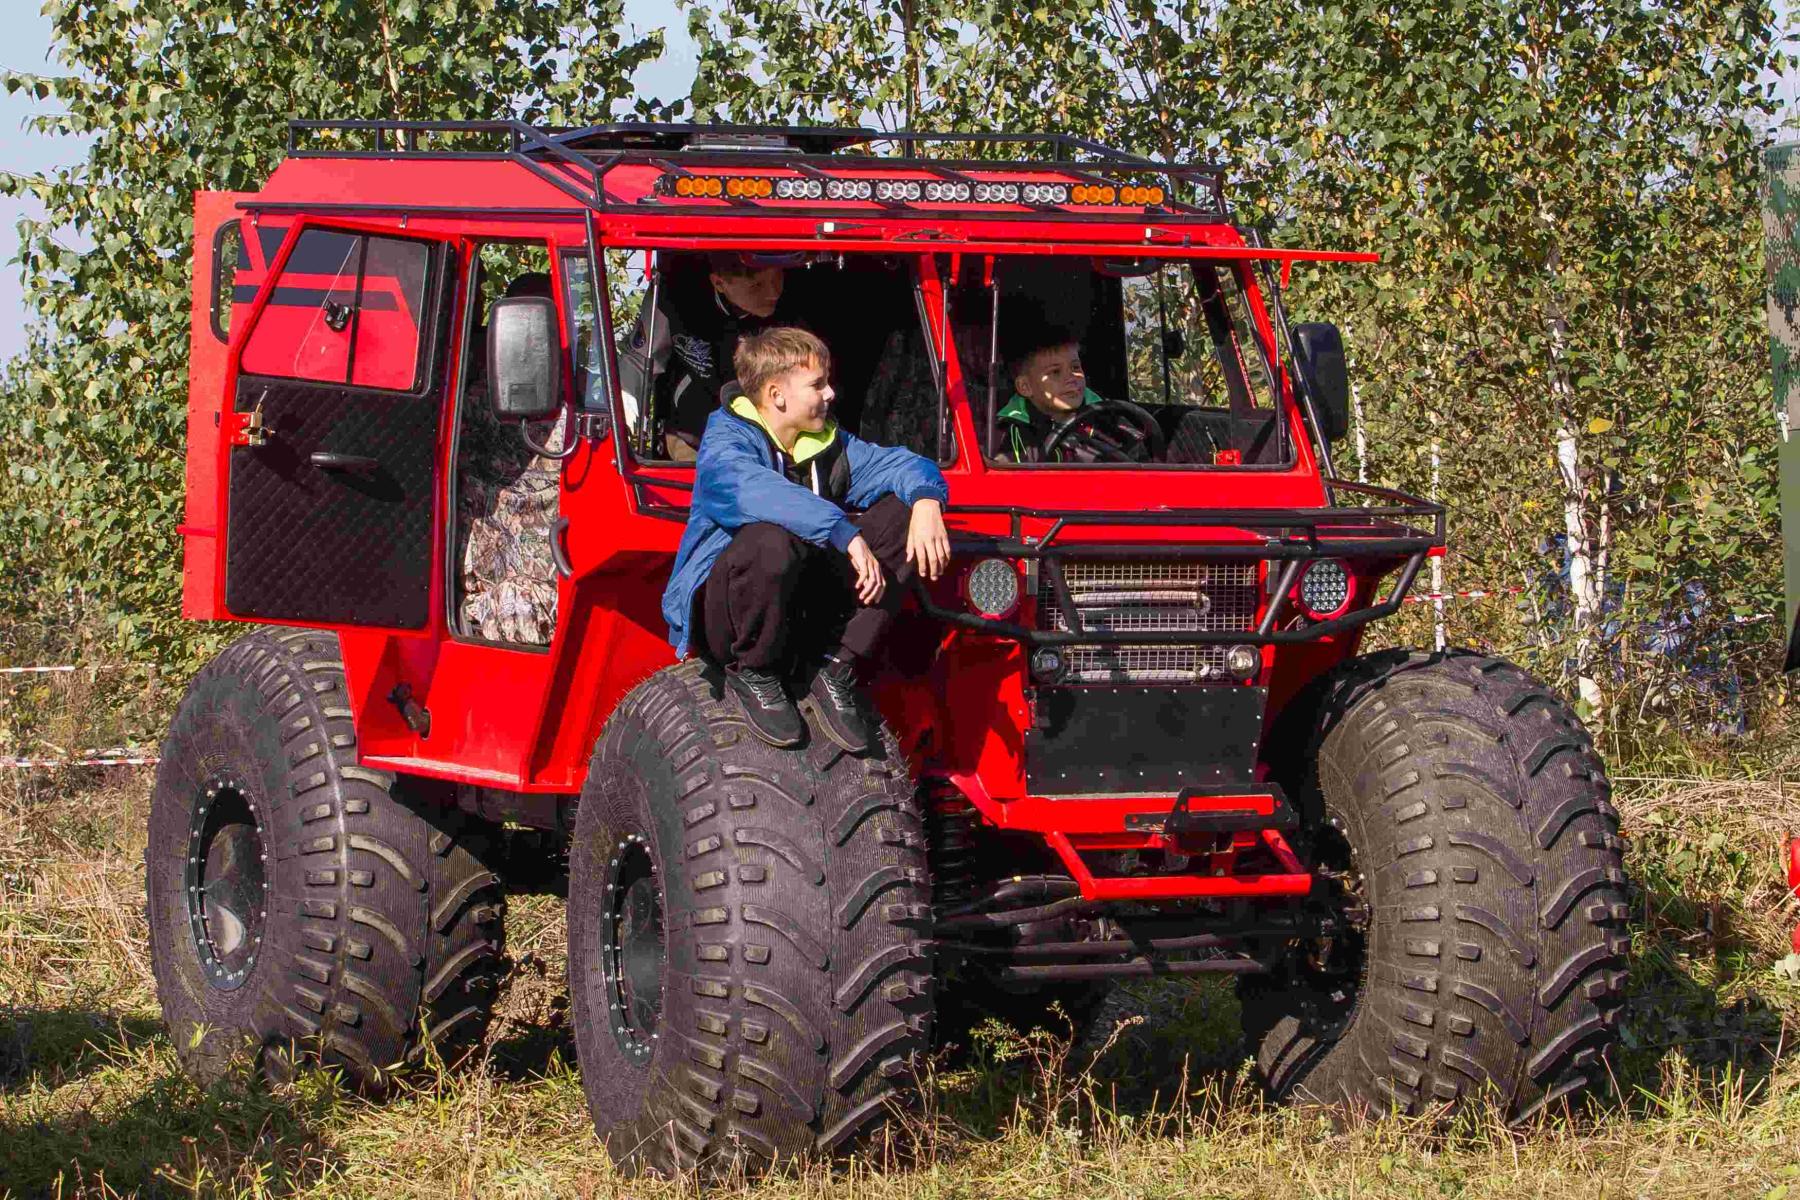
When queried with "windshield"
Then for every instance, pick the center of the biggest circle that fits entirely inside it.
(1122, 361)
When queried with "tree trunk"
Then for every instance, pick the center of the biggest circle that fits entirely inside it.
(1584, 580)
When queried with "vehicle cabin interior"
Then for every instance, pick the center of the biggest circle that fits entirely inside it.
(1169, 344)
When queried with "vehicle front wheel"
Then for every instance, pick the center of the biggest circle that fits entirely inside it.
(749, 936)
(1470, 860)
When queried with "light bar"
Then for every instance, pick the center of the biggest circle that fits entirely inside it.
(905, 191)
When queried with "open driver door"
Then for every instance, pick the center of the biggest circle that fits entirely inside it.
(335, 368)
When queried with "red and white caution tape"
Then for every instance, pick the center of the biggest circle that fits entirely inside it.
(120, 757)
(71, 668)
(1471, 594)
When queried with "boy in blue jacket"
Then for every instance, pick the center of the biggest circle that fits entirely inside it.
(769, 548)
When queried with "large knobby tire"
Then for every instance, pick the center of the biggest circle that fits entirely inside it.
(1465, 806)
(776, 1002)
(301, 906)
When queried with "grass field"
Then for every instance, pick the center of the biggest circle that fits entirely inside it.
(1158, 1103)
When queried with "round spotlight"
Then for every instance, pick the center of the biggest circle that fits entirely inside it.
(1031, 193)
(1324, 589)
(1009, 192)
(934, 191)
(1048, 665)
(784, 189)
(1055, 193)
(983, 192)
(1243, 661)
(912, 189)
(992, 587)
(960, 191)
(883, 190)
(862, 190)
(812, 189)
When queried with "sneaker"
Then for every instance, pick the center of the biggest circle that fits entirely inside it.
(839, 705)
(766, 706)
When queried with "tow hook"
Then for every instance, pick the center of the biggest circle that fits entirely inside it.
(416, 715)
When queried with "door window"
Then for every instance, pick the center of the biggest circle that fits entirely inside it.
(346, 310)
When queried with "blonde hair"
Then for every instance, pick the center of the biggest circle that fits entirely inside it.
(769, 353)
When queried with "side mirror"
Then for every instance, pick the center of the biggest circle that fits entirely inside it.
(524, 358)
(1322, 358)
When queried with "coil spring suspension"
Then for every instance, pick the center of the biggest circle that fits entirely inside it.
(951, 820)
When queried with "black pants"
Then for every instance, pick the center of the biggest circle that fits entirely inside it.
(772, 599)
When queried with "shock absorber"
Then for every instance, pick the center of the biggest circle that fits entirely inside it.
(951, 820)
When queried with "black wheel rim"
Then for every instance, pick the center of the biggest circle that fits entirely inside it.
(225, 883)
(634, 950)
(1337, 964)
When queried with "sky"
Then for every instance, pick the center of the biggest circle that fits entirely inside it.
(25, 46)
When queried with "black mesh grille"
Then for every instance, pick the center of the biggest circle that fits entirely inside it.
(1152, 595)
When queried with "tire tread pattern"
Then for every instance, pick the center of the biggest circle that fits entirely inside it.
(374, 890)
(1483, 820)
(793, 883)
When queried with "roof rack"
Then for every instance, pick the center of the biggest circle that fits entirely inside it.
(577, 160)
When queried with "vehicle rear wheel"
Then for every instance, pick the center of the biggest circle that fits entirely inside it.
(749, 928)
(1470, 857)
(301, 906)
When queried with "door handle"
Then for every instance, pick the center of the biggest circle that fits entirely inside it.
(559, 550)
(327, 460)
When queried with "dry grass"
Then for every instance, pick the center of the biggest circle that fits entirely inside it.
(92, 1104)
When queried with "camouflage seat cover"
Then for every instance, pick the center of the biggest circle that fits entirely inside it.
(506, 503)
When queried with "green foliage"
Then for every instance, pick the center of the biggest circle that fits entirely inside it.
(179, 95)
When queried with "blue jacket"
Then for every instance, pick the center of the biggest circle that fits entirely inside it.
(742, 479)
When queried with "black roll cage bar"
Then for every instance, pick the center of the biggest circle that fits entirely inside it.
(576, 161)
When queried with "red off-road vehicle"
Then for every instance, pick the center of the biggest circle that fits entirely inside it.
(1128, 735)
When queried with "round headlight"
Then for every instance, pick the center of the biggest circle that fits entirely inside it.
(992, 587)
(1324, 588)
(1047, 664)
(1243, 661)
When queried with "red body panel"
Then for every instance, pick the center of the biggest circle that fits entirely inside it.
(527, 720)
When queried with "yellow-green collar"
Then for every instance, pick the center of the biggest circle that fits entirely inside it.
(807, 444)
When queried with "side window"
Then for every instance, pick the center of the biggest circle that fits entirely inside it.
(230, 258)
(384, 352)
(346, 309)
(584, 347)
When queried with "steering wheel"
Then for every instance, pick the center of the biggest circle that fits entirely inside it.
(1130, 433)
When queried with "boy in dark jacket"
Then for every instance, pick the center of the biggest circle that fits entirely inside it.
(1049, 387)
(769, 549)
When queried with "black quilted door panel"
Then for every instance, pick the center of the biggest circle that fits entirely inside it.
(335, 546)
